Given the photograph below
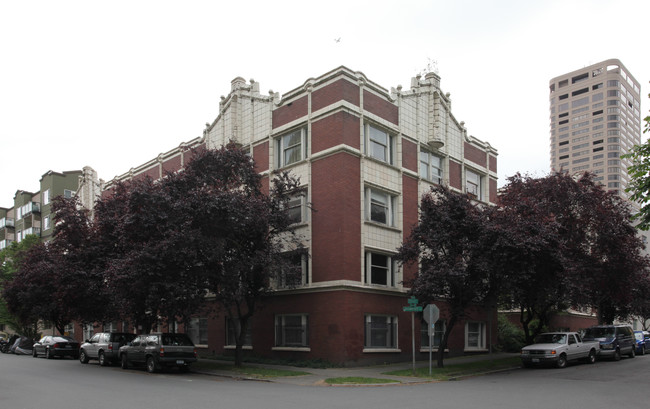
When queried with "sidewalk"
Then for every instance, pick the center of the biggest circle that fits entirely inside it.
(317, 376)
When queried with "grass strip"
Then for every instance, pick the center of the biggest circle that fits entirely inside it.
(452, 370)
(252, 371)
(357, 380)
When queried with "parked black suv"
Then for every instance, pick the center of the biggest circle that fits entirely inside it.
(615, 340)
(104, 346)
(159, 350)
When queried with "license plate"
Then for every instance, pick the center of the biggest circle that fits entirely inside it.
(68, 346)
(536, 360)
(180, 362)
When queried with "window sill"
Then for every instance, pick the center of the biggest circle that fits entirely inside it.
(426, 349)
(295, 349)
(232, 347)
(380, 350)
(476, 350)
(383, 226)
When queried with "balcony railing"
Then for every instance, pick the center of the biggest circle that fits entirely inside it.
(32, 230)
(6, 222)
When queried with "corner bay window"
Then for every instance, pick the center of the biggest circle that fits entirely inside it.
(197, 330)
(473, 184)
(296, 208)
(380, 269)
(380, 144)
(299, 271)
(291, 330)
(380, 207)
(380, 331)
(430, 167)
(292, 147)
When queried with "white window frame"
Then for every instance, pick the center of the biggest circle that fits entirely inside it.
(473, 183)
(477, 334)
(298, 203)
(281, 327)
(68, 194)
(304, 268)
(197, 330)
(380, 144)
(46, 222)
(69, 329)
(390, 268)
(428, 170)
(377, 200)
(390, 332)
(282, 150)
(46, 197)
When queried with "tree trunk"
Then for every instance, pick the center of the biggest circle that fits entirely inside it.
(443, 342)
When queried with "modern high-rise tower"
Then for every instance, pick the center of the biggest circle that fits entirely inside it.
(595, 118)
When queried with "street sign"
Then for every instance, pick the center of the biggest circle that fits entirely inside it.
(413, 305)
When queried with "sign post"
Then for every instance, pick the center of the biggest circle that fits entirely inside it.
(431, 314)
(413, 307)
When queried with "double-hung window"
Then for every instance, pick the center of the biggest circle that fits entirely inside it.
(46, 222)
(438, 332)
(231, 334)
(297, 208)
(291, 147)
(46, 197)
(197, 330)
(380, 269)
(380, 144)
(380, 207)
(475, 335)
(380, 331)
(430, 167)
(292, 330)
(473, 184)
(296, 272)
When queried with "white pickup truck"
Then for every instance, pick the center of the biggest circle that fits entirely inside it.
(558, 348)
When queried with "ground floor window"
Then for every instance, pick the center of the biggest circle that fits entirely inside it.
(69, 330)
(231, 334)
(197, 330)
(292, 330)
(475, 335)
(439, 331)
(380, 331)
(88, 331)
(110, 327)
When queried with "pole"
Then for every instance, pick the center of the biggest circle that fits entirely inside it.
(413, 339)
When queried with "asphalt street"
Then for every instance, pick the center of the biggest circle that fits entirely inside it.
(28, 383)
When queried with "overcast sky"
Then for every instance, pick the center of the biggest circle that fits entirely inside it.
(113, 84)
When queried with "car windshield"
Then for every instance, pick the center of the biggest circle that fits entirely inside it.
(177, 340)
(638, 336)
(551, 339)
(599, 333)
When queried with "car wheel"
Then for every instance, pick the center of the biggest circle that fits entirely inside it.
(83, 358)
(592, 357)
(617, 355)
(151, 365)
(124, 362)
(102, 359)
(561, 361)
(34, 353)
(48, 354)
(642, 350)
(632, 353)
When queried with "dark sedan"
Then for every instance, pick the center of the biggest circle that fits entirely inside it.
(52, 345)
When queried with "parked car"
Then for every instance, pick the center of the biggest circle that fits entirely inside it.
(615, 340)
(558, 348)
(159, 350)
(642, 341)
(104, 346)
(52, 345)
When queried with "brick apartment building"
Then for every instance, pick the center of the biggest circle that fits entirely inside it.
(364, 155)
